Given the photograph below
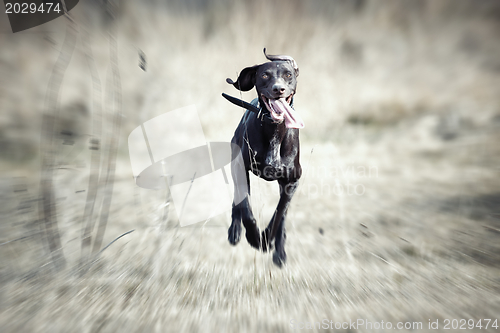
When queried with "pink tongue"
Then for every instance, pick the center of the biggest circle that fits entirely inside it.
(292, 119)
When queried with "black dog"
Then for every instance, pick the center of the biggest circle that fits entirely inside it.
(269, 144)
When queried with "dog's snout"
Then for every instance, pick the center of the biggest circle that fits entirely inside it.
(278, 88)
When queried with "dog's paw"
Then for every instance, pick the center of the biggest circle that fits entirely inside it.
(279, 258)
(234, 233)
(265, 241)
(253, 237)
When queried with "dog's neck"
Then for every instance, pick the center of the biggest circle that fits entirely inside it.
(274, 132)
(277, 136)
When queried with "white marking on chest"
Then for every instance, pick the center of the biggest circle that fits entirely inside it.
(273, 157)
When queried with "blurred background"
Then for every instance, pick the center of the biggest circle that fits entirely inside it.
(397, 217)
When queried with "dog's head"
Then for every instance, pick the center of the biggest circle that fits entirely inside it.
(276, 84)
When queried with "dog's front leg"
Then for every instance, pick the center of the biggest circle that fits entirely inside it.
(276, 228)
(234, 232)
(242, 212)
(252, 230)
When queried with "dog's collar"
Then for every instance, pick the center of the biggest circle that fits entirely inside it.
(265, 116)
(257, 109)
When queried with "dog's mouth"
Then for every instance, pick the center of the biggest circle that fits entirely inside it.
(280, 110)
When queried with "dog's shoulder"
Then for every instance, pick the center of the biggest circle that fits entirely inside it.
(249, 114)
(255, 102)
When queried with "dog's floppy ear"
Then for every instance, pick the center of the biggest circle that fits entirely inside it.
(283, 58)
(246, 79)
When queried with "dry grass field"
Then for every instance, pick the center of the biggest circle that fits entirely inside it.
(397, 217)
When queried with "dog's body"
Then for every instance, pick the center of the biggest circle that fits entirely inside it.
(269, 144)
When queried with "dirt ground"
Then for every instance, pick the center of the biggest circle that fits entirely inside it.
(396, 222)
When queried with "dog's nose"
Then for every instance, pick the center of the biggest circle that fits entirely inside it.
(277, 88)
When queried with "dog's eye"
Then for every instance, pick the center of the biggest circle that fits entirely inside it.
(288, 75)
(264, 76)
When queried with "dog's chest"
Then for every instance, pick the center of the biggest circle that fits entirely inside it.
(273, 155)
(276, 161)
